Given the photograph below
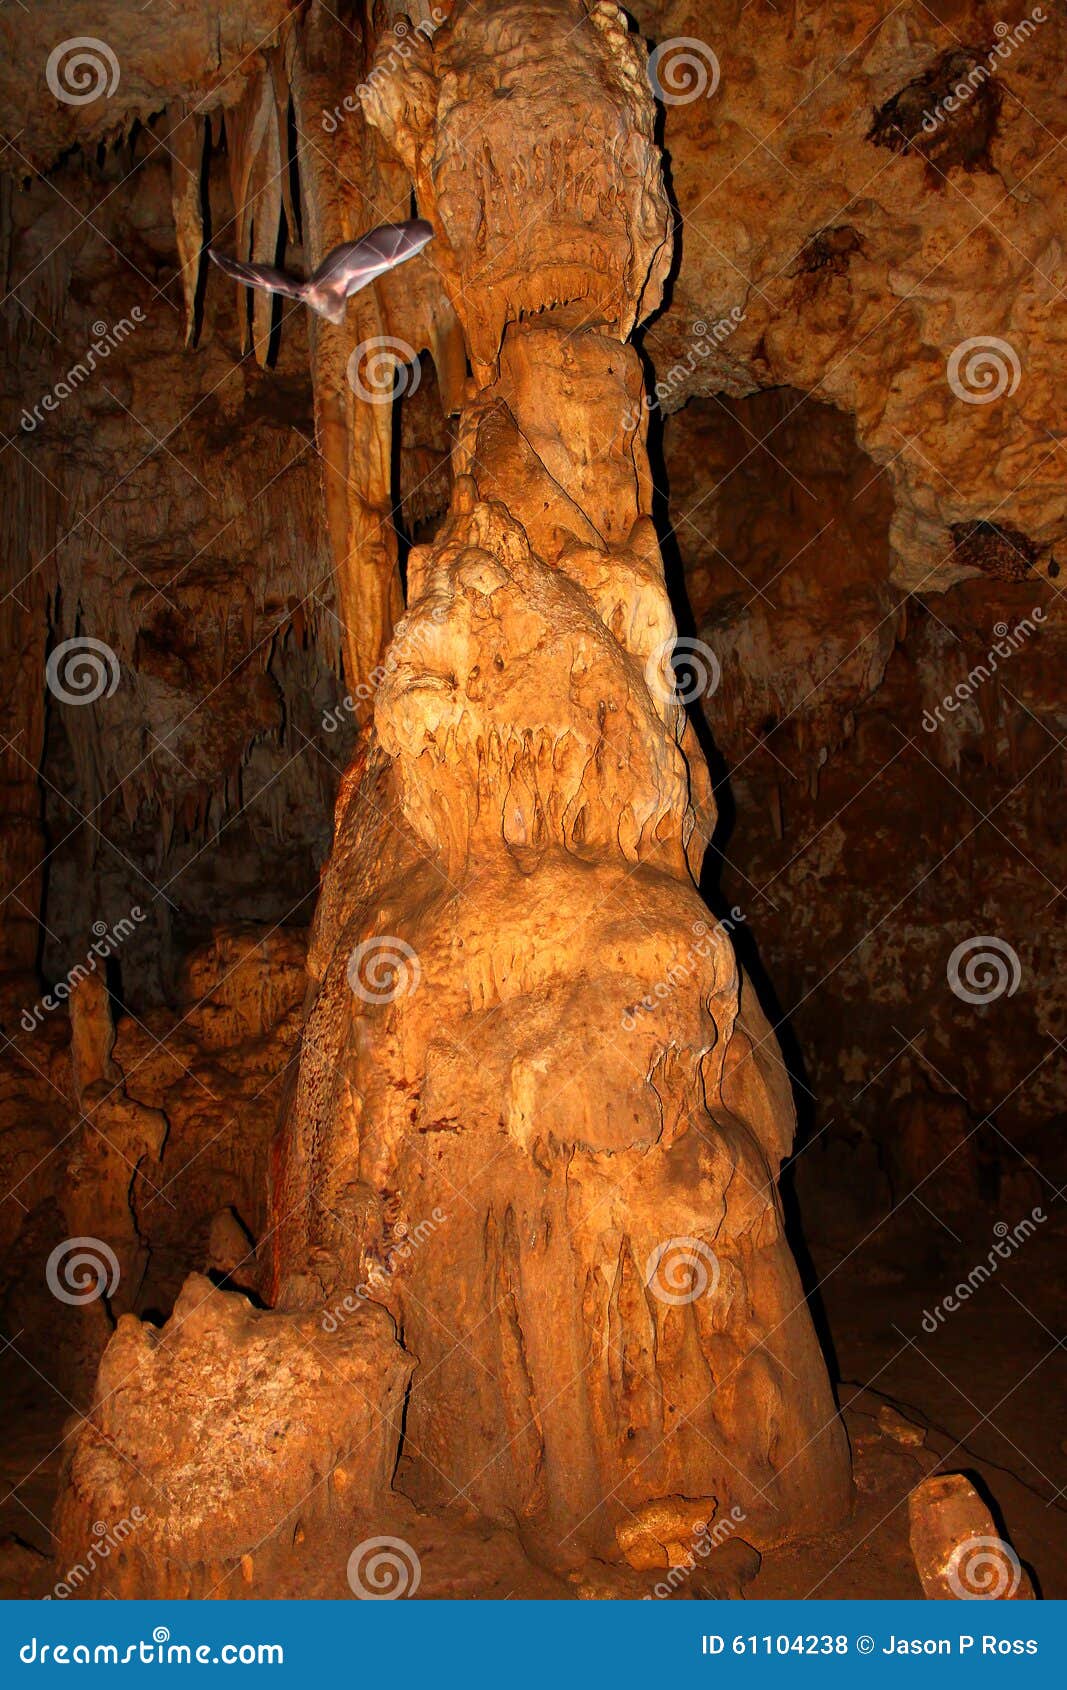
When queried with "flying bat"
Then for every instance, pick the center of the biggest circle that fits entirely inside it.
(342, 272)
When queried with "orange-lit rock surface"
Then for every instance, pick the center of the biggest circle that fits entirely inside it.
(907, 275)
(524, 1099)
(591, 1184)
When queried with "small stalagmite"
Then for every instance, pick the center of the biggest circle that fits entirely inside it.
(959, 1554)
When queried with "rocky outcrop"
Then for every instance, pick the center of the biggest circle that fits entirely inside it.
(871, 215)
(220, 1439)
(559, 1179)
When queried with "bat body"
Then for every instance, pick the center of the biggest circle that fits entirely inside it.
(342, 272)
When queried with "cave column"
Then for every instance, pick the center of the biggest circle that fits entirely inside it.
(539, 1114)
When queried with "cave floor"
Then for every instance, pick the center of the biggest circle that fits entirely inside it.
(984, 1394)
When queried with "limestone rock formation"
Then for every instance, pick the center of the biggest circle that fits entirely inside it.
(222, 1436)
(580, 1175)
(832, 247)
(959, 1555)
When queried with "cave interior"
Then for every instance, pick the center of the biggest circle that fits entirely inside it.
(532, 987)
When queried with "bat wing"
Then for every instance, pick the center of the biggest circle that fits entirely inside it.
(355, 265)
(260, 276)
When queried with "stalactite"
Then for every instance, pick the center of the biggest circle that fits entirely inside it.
(186, 140)
(255, 152)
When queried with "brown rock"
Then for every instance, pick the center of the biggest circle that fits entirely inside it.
(216, 1436)
(959, 1555)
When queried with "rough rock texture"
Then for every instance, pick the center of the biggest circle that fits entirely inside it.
(138, 1162)
(223, 1436)
(567, 1199)
(126, 71)
(863, 268)
(958, 1553)
(896, 789)
(227, 499)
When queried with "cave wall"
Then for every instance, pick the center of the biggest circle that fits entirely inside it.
(896, 777)
(854, 230)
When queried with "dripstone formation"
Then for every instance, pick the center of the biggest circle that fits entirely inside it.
(539, 1113)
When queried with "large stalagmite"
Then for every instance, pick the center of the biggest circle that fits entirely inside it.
(539, 1113)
